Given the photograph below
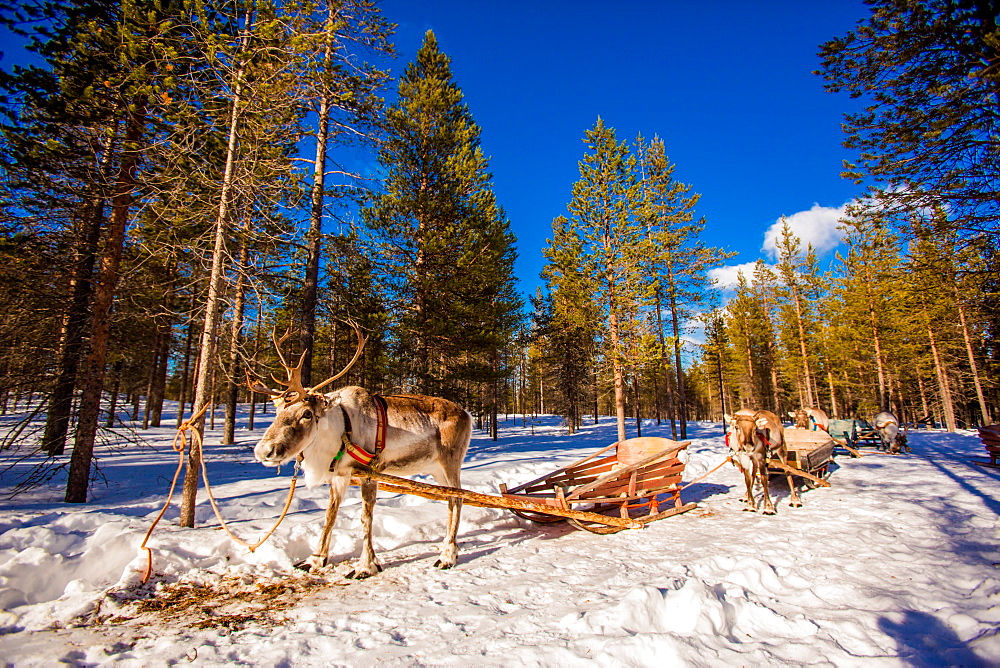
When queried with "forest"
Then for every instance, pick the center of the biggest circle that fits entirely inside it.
(184, 183)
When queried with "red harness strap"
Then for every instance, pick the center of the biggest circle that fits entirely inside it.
(358, 453)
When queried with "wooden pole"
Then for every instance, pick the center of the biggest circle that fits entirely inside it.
(405, 486)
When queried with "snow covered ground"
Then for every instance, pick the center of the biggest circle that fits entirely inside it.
(896, 564)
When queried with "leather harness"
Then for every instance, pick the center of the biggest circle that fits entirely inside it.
(357, 452)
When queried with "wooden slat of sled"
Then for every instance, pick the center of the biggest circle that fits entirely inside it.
(990, 436)
(406, 486)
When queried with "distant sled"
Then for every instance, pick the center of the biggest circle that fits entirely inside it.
(990, 436)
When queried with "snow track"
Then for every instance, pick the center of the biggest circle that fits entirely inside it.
(896, 564)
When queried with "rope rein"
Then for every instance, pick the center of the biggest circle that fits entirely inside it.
(180, 444)
(725, 461)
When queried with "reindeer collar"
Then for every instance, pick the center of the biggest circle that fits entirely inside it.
(358, 453)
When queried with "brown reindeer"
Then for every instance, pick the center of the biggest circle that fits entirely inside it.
(753, 436)
(336, 434)
(887, 427)
(810, 418)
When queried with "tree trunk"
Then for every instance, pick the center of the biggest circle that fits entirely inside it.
(151, 379)
(596, 396)
(159, 386)
(834, 412)
(212, 306)
(942, 379)
(93, 369)
(883, 391)
(665, 362)
(810, 395)
(923, 397)
(61, 400)
(984, 411)
(314, 238)
(681, 391)
(235, 339)
(115, 386)
(186, 374)
(638, 408)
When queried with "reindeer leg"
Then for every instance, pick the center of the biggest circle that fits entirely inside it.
(321, 555)
(449, 544)
(749, 500)
(760, 468)
(795, 501)
(366, 566)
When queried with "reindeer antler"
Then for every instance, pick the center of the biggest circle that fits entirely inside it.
(362, 340)
(254, 384)
(294, 382)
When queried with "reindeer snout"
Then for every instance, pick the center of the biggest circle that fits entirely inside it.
(266, 453)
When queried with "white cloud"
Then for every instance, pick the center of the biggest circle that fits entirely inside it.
(727, 277)
(817, 226)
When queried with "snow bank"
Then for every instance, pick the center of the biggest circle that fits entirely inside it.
(895, 564)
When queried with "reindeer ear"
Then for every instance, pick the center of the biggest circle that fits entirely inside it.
(727, 417)
(791, 414)
(761, 423)
(278, 401)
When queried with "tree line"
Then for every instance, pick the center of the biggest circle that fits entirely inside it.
(184, 181)
(905, 319)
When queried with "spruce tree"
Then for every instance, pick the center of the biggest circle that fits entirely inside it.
(444, 246)
(566, 318)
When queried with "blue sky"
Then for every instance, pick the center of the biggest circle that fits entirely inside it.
(728, 85)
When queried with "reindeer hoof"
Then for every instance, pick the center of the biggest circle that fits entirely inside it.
(749, 509)
(364, 574)
(358, 575)
(443, 565)
(313, 563)
(770, 511)
(795, 504)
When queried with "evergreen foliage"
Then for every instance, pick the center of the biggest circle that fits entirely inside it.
(444, 247)
(928, 72)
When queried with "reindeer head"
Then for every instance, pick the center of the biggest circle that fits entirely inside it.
(741, 430)
(301, 413)
(801, 417)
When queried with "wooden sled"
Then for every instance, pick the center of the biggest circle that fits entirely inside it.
(635, 479)
(990, 436)
(853, 434)
(810, 453)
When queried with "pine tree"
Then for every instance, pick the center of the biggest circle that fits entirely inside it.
(616, 245)
(798, 274)
(60, 118)
(445, 248)
(867, 285)
(566, 318)
(343, 94)
(928, 73)
(679, 260)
